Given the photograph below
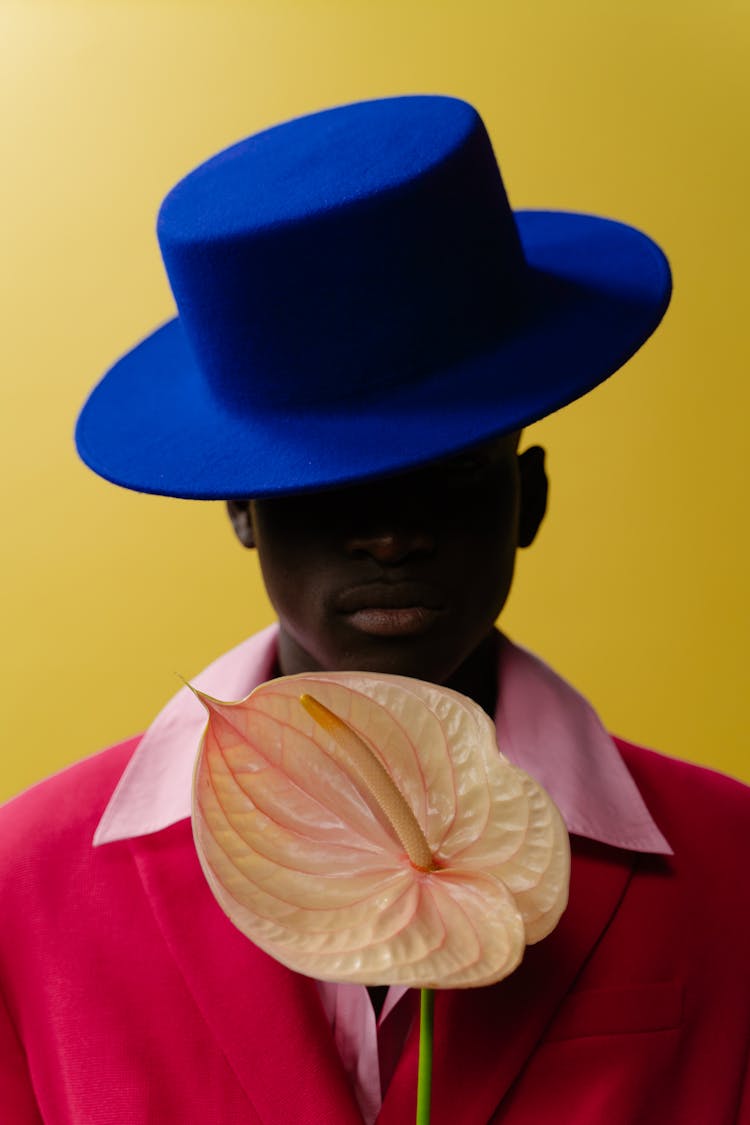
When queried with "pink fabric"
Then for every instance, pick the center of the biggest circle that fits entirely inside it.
(368, 1051)
(544, 726)
(155, 789)
(548, 729)
(127, 996)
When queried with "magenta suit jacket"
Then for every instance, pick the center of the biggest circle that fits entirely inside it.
(128, 998)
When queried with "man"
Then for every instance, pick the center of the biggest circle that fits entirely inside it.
(375, 576)
(364, 328)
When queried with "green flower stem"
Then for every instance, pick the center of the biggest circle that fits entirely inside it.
(424, 1082)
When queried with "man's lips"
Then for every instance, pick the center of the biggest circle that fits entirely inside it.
(398, 609)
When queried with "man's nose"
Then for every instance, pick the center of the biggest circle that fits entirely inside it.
(393, 546)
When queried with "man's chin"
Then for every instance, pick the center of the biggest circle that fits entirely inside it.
(403, 656)
(419, 655)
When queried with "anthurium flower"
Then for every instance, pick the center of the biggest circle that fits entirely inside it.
(366, 828)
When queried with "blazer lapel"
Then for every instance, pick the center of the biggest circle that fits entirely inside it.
(268, 1021)
(271, 1026)
(484, 1036)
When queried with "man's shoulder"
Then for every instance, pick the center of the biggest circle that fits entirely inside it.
(64, 808)
(687, 799)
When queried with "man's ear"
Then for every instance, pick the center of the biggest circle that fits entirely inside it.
(240, 514)
(534, 489)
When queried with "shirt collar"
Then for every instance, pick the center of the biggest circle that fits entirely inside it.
(544, 726)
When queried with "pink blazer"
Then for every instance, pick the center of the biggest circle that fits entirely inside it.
(127, 998)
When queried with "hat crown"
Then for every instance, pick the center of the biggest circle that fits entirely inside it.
(346, 250)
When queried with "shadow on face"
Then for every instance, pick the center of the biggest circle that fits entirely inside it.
(405, 574)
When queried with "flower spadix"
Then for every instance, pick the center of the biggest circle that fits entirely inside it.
(366, 828)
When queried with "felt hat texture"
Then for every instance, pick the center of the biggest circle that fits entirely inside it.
(356, 297)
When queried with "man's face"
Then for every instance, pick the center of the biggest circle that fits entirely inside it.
(403, 575)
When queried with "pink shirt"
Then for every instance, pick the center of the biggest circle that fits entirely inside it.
(544, 726)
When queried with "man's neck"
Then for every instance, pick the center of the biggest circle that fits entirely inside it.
(477, 676)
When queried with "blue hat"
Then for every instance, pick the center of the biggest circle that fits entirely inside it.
(356, 297)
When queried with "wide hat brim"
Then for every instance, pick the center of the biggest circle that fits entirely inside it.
(598, 289)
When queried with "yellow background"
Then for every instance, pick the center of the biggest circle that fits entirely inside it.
(637, 588)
